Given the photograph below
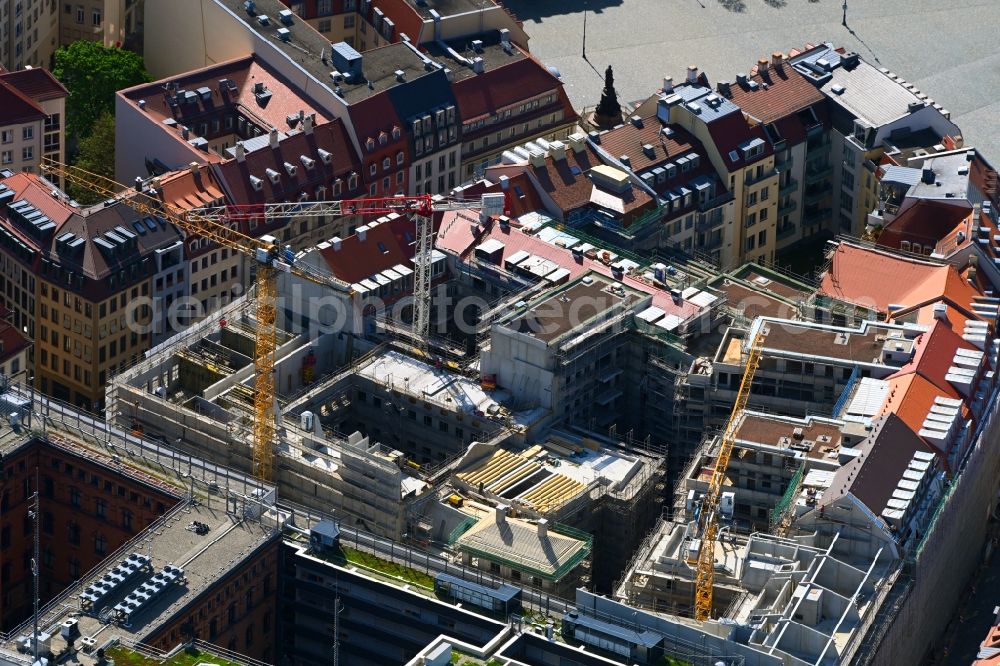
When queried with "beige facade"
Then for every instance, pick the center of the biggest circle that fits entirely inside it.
(32, 30)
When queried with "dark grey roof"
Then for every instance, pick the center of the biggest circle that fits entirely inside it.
(503, 593)
(645, 638)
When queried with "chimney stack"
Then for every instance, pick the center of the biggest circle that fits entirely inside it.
(668, 84)
(777, 59)
(724, 89)
(336, 243)
(762, 66)
(501, 513)
(504, 182)
(193, 167)
(692, 76)
(274, 137)
(543, 528)
(362, 232)
(307, 124)
(241, 152)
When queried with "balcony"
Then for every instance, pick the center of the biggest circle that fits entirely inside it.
(787, 208)
(818, 173)
(750, 179)
(815, 196)
(716, 201)
(784, 165)
(817, 144)
(789, 187)
(814, 217)
(786, 231)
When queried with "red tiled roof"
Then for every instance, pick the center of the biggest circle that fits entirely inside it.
(786, 93)
(331, 137)
(36, 83)
(732, 130)
(455, 235)
(286, 100)
(521, 195)
(385, 245)
(927, 222)
(629, 140)
(878, 278)
(484, 94)
(934, 355)
(12, 340)
(566, 183)
(16, 107)
(911, 397)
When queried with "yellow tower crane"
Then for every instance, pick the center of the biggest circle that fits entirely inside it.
(269, 261)
(708, 516)
(215, 224)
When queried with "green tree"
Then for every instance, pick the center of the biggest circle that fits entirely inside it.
(93, 73)
(96, 155)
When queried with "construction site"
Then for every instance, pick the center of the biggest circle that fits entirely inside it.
(693, 443)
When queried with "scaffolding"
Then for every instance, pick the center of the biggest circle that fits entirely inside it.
(781, 514)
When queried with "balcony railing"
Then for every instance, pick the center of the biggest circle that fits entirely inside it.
(818, 173)
(788, 207)
(788, 187)
(784, 165)
(786, 231)
(811, 218)
(751, 179)
(716, 201)
(815, 196)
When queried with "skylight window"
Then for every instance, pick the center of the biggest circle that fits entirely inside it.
(381, 248)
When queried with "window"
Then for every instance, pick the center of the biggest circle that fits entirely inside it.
(7, 136)
(100, 544)
(762, 238)
(764, 193)
(73, 534)
(324, 25)
(95, 18)
(27, 153)
(101, 508)
(751, 219)
(399, 158)
(348, 21)
(751, 242)
(74, 497)
(7, 157)
(79, 14)
(372, 169)
(763, 214)
(751, 199)
(324, 7)
(27, 133)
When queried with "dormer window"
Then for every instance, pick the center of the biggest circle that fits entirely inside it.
(352, 182)
(383, 139)
(337, 185)
(370, 144)
(396, 133)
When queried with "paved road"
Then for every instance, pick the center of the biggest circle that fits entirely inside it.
(947, 48)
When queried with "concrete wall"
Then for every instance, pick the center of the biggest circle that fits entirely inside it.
(522, 364)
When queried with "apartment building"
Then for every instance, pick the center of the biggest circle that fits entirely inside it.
(741, 155)
(15, 361)
(794, 116)
(86, 277)
(32, 30)
(505, 98)
(872, 110)
(695, 210)
(32, 118)
(368, 24)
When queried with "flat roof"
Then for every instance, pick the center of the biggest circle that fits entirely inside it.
(204, 558)
(307, 48)
(564, 310)
(860, 345)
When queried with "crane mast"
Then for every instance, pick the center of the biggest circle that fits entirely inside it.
(213, 223)
(708, 516)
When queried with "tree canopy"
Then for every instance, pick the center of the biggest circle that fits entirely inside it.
(93, 73)
(96, 155)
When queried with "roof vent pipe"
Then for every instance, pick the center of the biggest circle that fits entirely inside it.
(274, 137)
(692, 75)
(668, 84)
